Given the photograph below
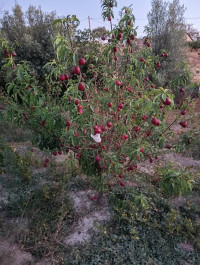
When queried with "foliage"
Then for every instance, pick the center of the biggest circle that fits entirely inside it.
(108, 93)
(194, 44)
(167, 31)
(175, 181)
(30, 38)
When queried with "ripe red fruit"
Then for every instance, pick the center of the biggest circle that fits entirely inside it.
(14, 54)
(120, 176)
(183, 112)
(110, 5)
(168, 146)
(76, 102)
(115, 49)
(45, 165)
(166, 55)
(103, 38)
(189, 141)
(60, 152)
(80, 110)
(70, 99)
(121, 183)
(141, 59)
(76, 70)
(119, 36)
(141, 150)
(158, 65)
(181, 90)
(47, 160)
(144, 118)
(129, 41)
(82, 61)
(97, 158)
(43, 123)
(76, 147)
(26, 118)
(132, 37)
(183, 124)
(120, 106)
(118, 83)
(109, 124)
(68, 123)
(148, 133)
(61, 77)
(136, 129)
(66, 77)
(81, 86)
(109, 104)
(55, 153)
(115, 58)
(155, 121)
(167, 101)
(109, 18)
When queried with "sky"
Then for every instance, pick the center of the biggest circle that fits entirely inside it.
(92, 8)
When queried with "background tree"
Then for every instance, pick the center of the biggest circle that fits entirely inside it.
(30, 34)
(167, 30)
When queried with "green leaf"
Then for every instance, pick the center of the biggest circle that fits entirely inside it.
(75, 59)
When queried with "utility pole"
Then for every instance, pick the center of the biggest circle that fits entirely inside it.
(89, 26)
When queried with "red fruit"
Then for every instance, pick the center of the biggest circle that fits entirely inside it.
(155, 121)
(144, 118)
(132, 37)
(115, 58)
(82, 61)
(47, 160)
(152, 86)
(120, 106)
(183, 112)
(81, 86)
(45, 165)
(168, 146)
(76, 147)
(118, 83)
(109, 124)
(26, 118)
(166, 55)
(68, 123)
(14, 54)
(148, 133)
(109, 104)
(129, 41)
(141, 59)
(151, 160)
(181, 90)
(84, 131)
(110, 5)
(157, 180)
(70, 99)
(60, 152)
(136, 129)
(183, 124)
(109, 18)
(76, 102)
(24, 114)
(32, 107)
(158, 65)
(103, 38)
(120, 176)
(141, 150)
(115, 49)
(55, 153)
(61, 77)
(121, 183)
(119, 36)
(146, 79)
(66, 77)
(80, 111)
(43, 123)
(189, 141)
(167, 101)
(97, 158)
(133, 117)
(149, 44)
(76, 70)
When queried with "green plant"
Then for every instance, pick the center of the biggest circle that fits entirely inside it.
(175, 181)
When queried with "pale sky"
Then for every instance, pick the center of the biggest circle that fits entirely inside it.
(92, 8)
